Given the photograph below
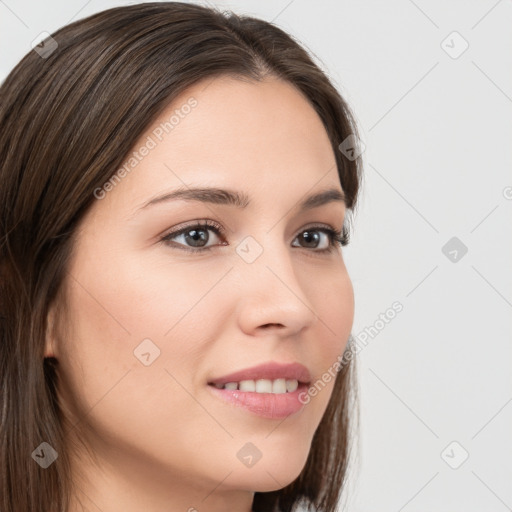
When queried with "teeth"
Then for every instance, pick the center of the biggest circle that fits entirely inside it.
(263, 386)
(247, 385)
(291, 385)
(277, 386)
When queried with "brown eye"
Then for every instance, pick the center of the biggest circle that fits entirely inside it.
(312, 238)
(194, 237)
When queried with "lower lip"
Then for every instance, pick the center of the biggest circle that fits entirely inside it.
(266, 405)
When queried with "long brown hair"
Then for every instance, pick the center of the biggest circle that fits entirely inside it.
(70, 112)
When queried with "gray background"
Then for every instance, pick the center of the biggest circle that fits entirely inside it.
(435, 382)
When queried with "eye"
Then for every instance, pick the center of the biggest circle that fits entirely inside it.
(195, 237)
(322, 239)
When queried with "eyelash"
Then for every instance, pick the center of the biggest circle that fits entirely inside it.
(335, 236)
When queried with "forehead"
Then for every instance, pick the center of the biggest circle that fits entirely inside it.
(259, 137)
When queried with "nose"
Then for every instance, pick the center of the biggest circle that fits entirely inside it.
(272, 296)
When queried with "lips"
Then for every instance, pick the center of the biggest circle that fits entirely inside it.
(255, 395)
(270, 371)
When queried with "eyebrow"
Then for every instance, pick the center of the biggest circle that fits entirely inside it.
(240, 200)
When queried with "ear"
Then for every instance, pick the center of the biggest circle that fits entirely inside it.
(49, 344)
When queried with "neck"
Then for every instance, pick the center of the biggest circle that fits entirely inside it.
(135, 485)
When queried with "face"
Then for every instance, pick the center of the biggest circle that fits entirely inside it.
(154, 317)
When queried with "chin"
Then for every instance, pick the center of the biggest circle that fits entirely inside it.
(272, 476)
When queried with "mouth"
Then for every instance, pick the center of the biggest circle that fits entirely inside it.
(271, 390)
(276, 386)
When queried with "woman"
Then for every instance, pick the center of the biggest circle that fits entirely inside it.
(174, 312)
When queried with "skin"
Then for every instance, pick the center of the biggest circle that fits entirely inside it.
(161, 440)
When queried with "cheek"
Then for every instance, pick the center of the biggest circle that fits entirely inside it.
(333, 299)
(117, 324)
(109, 388)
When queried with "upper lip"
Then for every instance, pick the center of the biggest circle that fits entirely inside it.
(271, 371)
